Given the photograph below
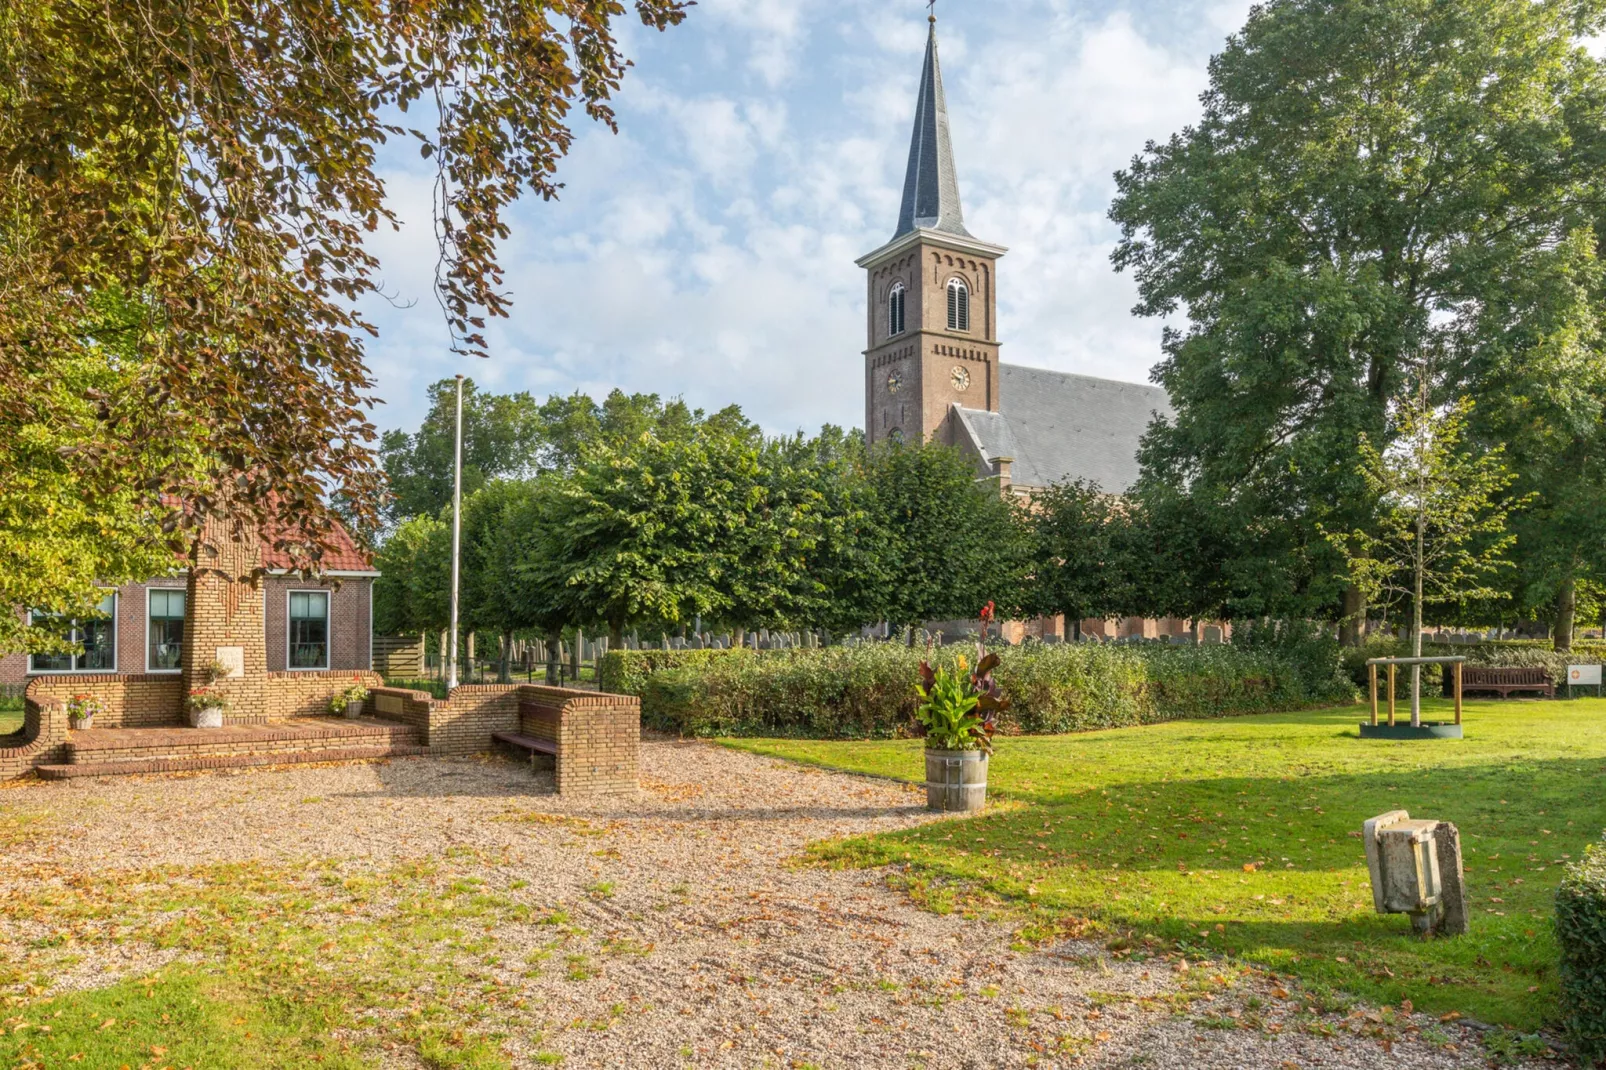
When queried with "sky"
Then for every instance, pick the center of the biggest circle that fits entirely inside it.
(706, 251)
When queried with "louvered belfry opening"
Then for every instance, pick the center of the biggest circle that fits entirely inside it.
(958, 305)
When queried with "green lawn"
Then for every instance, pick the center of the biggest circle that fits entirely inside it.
(1242, 836)
(10, 715)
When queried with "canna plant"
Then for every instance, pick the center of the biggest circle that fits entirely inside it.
(958, 707)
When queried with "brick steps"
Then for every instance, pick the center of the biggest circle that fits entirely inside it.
(225, 761)
(111, 752)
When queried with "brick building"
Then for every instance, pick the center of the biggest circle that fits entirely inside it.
(324, 624)
(284, 647)
(933, 368)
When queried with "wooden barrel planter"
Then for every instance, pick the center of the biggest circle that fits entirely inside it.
(956, 780)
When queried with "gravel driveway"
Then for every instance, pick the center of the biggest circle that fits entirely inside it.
(736, 956)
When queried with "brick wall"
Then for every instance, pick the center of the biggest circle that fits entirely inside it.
(13, 670)
(463, 724)
(598, 735)
(132, 700)
(42, 741)
(223, 611)
(349, 620)
(307, 694)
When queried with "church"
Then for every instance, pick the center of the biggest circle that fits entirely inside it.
(932, 367)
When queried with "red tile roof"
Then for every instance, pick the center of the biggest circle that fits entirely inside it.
(341, 555)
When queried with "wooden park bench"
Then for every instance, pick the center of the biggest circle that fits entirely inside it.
(1505, 681)
(532, 744)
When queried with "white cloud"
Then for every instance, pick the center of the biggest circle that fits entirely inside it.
(708, 250)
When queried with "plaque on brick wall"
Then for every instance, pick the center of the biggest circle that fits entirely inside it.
(232, 658)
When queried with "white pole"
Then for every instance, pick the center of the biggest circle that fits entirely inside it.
(457, 531)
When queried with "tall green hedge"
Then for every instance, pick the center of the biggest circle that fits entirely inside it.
(867, 691)
(1581, 935)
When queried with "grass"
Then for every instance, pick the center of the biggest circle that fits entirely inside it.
(10, 715)
(285, 966)
(1241, 837)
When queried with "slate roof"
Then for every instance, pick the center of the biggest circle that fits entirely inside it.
(930, 188)
(1061, 426)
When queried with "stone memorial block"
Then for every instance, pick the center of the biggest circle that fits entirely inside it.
(1415, 867)
(232, 658)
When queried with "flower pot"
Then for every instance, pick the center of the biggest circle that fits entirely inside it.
(83, 724)
(956, 779)
(354, 710)
(210, 717)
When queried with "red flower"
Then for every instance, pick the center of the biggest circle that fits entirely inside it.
(987, 610)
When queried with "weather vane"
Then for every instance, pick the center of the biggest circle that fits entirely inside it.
(931, 10)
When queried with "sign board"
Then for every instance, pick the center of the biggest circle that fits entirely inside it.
(1584, 674)
(232, 658)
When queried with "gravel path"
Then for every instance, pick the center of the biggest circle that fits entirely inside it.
(704, 944)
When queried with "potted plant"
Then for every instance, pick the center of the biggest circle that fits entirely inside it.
(81, 710)
(209, 702)
(350, 701)
(207, 706)
(959, 709)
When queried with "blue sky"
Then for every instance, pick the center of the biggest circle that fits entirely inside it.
(707, 250)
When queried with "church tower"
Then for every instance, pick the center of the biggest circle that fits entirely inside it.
(933, 303)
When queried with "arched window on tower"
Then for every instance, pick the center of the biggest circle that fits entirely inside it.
(958, 305)
(895, 310)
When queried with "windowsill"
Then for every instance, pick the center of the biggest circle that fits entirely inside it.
(163, 672)
(303, 668)
(71, 672)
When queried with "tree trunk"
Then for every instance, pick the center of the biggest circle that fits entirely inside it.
(616, 634)
(1566, 608)
(1416, 623)
(1352, 627)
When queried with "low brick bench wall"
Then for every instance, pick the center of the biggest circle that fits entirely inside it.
(129, 699)
(43, 738)
(598, 735)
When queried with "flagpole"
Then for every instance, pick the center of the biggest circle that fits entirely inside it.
(457, 531)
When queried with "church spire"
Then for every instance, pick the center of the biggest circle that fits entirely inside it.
(930, 189)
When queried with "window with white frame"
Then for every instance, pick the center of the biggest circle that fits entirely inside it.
(309, 630)
(958, 305)
(164, 629)
(895, 322)
(95, 635)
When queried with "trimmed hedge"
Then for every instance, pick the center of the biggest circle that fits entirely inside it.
(1581, 935)
(867, 691)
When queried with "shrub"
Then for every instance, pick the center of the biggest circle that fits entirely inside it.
(1581, 935)
(866, 691)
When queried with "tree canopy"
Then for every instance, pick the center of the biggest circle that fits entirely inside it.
(215, 164)
(1376, 190)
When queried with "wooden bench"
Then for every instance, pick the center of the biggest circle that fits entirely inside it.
(1505, 681)
(534, 744)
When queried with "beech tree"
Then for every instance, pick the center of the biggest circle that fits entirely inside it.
(215, 163)
(1373, 186)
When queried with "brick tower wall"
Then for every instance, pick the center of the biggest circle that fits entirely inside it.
(225, 615)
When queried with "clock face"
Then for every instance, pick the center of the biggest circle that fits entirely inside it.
(894, 381)
(961, 378)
